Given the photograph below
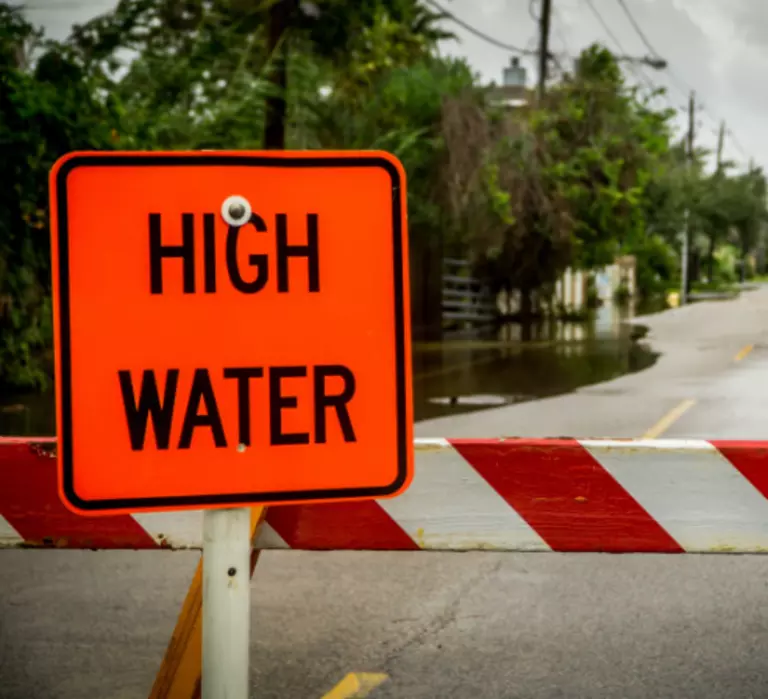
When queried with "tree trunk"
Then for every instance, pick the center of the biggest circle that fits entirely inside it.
(711, 259)
(426, 275)
(276, 107)
(695, 267)
(526, 305)
(744, 253)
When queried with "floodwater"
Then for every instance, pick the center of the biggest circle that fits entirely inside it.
(468, 373)
(522, 364)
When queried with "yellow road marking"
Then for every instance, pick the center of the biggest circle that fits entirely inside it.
(669, 419)
(357, 685)
(743, 352)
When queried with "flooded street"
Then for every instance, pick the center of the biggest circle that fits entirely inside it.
(460, 375)
(522, 364)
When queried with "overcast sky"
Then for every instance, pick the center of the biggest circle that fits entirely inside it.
(712, 47)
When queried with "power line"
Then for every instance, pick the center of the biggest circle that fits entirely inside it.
(680, 84)
(638, 76)
(684, 89)
(636, 73)
(567, 52)
(516, 49)
(605, 26)
(639, 31)
(531, 43)
(559, 32)
(737, 143)
(714, 118)
(478, 33)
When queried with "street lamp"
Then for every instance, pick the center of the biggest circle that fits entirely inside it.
(653, 61)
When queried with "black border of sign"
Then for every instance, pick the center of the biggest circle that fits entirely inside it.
(62, 233)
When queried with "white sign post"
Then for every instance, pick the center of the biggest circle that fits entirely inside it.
(226, 603)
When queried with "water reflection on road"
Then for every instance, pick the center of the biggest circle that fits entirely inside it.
(524, 363)
(458, 375)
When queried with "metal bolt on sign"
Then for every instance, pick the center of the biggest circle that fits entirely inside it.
(236, 210)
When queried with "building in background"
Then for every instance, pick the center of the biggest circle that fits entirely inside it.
(513, 93)
(620, 278)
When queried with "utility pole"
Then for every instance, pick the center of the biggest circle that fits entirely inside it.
(280, 13)
(687, 216)
(718, 174)
(546, 11)
(750, 174)
(691, 126)
(720, 141)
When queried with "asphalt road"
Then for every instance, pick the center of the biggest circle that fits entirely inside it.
(479, 625)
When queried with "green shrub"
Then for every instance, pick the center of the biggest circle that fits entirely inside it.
(657, 265)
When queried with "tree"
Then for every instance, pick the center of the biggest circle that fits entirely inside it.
(751, 217)
(582, 172)
(199, 71)
(614, 144)
(590, 173)
(365, 39)
(47, 108)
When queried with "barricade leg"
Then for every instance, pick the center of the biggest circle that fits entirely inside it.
(179, 676)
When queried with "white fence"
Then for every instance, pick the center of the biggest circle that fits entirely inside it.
(466, 300)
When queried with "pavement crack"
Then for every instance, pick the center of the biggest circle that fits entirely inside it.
(442, 620)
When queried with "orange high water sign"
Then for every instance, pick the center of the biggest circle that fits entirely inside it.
(231, 328)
